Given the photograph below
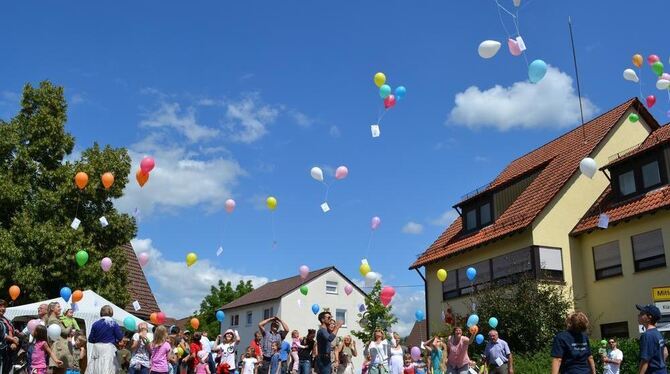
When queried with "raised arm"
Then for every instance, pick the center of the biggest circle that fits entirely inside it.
(261, 324)
(283, 324)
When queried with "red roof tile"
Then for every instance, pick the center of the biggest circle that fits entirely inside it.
(138, 286)
(558, 161)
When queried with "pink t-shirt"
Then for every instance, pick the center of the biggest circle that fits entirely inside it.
(458, 353)
(159, 358)
(39, 357)
(201, 368)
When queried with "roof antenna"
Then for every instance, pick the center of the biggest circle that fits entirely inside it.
(579, 91)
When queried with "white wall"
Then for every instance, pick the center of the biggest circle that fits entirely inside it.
(245, 330)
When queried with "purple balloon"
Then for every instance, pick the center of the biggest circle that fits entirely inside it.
(416, 353)
(375, 222)
(106, 264)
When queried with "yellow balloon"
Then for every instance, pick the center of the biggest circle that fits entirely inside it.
(380, 79)
(191, 258)
(442, 275)
(364, 269)
(637, 60)
(271, 202)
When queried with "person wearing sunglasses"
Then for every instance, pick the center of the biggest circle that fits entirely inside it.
(613, 358)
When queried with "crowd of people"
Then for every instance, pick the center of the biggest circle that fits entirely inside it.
(108, 350)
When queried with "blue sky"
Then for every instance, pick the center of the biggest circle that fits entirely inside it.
(241, 99)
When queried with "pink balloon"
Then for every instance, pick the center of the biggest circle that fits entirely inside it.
(230, 205)
(147, 164)
(160, 318)
(106, 264)
(348, 289)
(665, 76)
(143, 258)
(651, 100)
(304, 271)
(514, 48)
(32, 324)
(376, 221)
(341, 172)
(389, 102)
(388, 291)
(652, 58)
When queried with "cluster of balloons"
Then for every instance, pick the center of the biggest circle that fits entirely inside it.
(81, 180)
(371, 277)
(386, 295)
(662, 82)
(157, 318)
(146, 165)
(81, 257)
(473, 327)
(536, 70)
(340, 173)
(386, 92)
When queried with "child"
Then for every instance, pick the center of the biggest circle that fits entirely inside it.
(123, 356)
(38, 360)
(366, 364)
(68, 319)
(249, 366)
(419, 366)
(80, 344)
(274, 360)
(202, 367)
(409, 365)
(295, 345)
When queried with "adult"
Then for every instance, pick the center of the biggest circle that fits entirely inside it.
(105, 334)
(379, 351)
(60, 345)
(140, 359)
(344, 353)
(458, 361)
(207, 348)
(256, 344)
(436, 347)
(324, 339)
(653, 352)
(160, 351)
(570, 350)
(396, 352)
(226, 346)
(612, 359)
(305, 355)
(498, 355)
(269, 337)
(8, 342)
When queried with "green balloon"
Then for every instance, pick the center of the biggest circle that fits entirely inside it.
(633, 117)
(81, 257)
(304, 290)
(603, 342)
(657, 67)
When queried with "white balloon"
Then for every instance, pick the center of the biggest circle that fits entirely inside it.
(488, 48)
(371, 278)
(662, 84)
(317, 173)
(53, 331)
(517, 3)
(588, 167)
(630, 75)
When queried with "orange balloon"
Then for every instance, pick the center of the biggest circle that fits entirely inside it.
(474, 329)
(154, 318)
(141, 177)
(81, 180)
(107, 180)
(637, 60)
(195, 323)
(14, 292)
(77, 295)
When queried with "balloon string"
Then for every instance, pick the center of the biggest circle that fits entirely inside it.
(274, 238)
(501, 20)
(382, 116)
(367, 251)
(325, 199)
(77, 209)
(639, 80)
(223, 229)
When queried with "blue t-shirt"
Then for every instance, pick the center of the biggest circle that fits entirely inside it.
(573, 350)
(651, 350)
(323, 340)
(284, 351)
(274, 363)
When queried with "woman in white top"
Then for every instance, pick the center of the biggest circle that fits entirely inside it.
(379, 352)
(226, 348)
(396, 351)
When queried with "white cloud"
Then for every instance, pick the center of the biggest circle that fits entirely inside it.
(77, 99)
(550, 103)
(301, 119)
(446, 219)
(171, 115)
(412, 228)
(247, 119)
(405, 304)
(334, 131)
(164, 275)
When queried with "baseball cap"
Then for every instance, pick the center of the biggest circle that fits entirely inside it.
(650, 309)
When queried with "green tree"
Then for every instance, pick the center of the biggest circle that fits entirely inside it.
(218, 297)
(38, 200)
(376, 315)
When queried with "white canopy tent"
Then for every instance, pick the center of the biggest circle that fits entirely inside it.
(87, 309)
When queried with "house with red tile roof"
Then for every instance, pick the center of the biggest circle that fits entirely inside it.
(531, 219)
(138, 287)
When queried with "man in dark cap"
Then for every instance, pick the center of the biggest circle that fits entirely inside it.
(653, 351)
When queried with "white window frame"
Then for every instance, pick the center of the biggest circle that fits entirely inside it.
(235, 320)
(332, 284)
(250, 318)
(344, 324)
(270, 314)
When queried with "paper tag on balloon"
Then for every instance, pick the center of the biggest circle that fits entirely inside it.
(325, 207)
(299, 303)
(75, 223)
(219, 251)
(136, 305)
(375, 131)
(103, 221)
(522, 45)
(603, 221)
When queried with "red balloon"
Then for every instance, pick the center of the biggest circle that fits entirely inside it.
(160, 318)
(389, 101)
(385, 300)
(387, 291)
(651, 100)
(651, 59)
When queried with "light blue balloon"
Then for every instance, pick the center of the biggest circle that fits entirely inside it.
(384, 91)
(400, 92)
(536, 71)
(471, 273)
(473, 320)
(479, 338)
(65, 293)
(493, 322)
(315, 308)
(420, 315)
(220, 315)
(129, 323)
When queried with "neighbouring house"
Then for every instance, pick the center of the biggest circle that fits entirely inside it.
(539, 218)
(282, 298)
(138, 287)
(417, 335)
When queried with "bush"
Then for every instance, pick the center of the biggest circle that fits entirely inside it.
(631, 355)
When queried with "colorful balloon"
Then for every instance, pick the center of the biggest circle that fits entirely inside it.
(473, 320)
(106, 264)
(141, 177)
(53, 332)
(651, 100)
(384, 91)
(304, 290)
(400, 92)
(385, 300)
(160, 318)
(81, 180)
(630, 75)
(389, 102)
(220, 315)
(637, 60)
(230, 205)
(147, 164)
(657, 67)
(195, 323)
(387, 291)
(588, 167)
(416, 353)
(191, 258)
(14, 292)
(513, 47)
(662, 84)
(375, 222)
(65, 293)
(474, 329)
(665, 76)
(419, 315)
(651, 59)
(32, 324)
(479, 339)
(442, 275)
(271, 203)
(317, 173)
(341, 172)
(371, 278)
(129, 323)
(77, 295)
(380, 79)
(537, 70)
(488, 48)
(153, 317)
(633, 117)
(348, 289)
(143, 259)
(364, 268)
(81, 257)
(107, 180)
(471, 273)
(493, 322)
(517, 3)
(315, 308)
(304, 271)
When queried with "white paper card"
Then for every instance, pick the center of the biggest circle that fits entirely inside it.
(75, 223)
(375, 131)
(219, 251)
(519, 41)
(103, 221)
(603, 221)
(499, 361)
(136, 305)
(325, 207)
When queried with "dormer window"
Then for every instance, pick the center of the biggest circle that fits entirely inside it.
(477, 215)
(639, 176)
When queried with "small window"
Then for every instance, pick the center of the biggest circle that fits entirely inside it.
(651, 175)
(607, 260)
(512, 263)
(267, 313)
(471, 219)
(551, 263)
(614, 330)
(450, 285)
(341, 316)
(648, 250)
(627, 183)
(331, 287)
(235, 320)
(485, 214)
(250, 317)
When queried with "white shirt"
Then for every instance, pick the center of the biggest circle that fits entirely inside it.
(249, 365)
(206, 345)
(227, 354)
(379, 352)
(611, 367)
